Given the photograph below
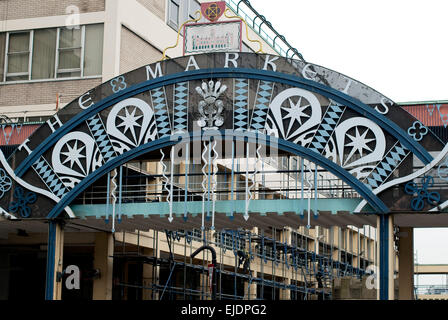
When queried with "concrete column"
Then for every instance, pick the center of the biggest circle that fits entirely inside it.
(112, 40)
(103, 260)
(285, 294)
(204, 283)
(385, 229)
(406, 264)
(55, 250)
(250, 289)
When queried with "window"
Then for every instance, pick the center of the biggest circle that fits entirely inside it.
(173, 13)
(18, 56)
(193, 6)
(52, 53)
(44, 53)
(2, 54)
(93, 52)
(69, 53)
(294, 164)
(180, 11)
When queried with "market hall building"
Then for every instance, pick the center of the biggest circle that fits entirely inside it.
(205, 160)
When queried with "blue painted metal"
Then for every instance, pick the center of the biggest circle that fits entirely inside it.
(51, 268)
(233, 178)
(187, 164)
(302, 215)
(281, 206)
(21, 204)
(49, 177)
(253, 137)
(120, 193)
(108, 198)
(241, 104)
(384, 257)
(417, 131)
(384, 169)
(261, 109)
(118, 84)
(102, 139)
(180, 115)
(326, 128)
(418, 202)
(263, 75)
(315, 191)
(209, 178)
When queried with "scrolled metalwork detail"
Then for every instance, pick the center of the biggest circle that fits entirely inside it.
(421, 193)
(418, 131)
(5, 183)
(211, 107)
(21, 205)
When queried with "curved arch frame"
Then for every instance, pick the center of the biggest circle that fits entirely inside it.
(252, 137)
(264, 75)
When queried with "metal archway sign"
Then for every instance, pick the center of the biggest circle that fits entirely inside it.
(349, 129)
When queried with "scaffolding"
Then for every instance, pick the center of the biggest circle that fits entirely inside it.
(287, 263)
(280, 265)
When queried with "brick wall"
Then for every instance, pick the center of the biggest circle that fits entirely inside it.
(155, 6)
(44, 92)
(135, 52)
(22, 9)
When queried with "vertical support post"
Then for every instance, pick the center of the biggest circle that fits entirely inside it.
(406, 264)
(103, 260)
(386, 257)
(120, 193)
(108, 198)
(150, 276)
(250, 289)
(187, 168)
(285, 293)
(55, 250)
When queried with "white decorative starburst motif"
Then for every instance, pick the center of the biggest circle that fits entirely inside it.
(74, 155)
(295, 112)
(130, 122)
(359, 143)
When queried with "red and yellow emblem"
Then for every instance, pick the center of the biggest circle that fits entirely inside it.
(213, 10)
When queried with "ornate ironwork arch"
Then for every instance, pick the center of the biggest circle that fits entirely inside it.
(342, 125)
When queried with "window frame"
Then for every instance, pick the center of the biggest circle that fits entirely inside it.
(6, 73)
(184, 12)
(189, 12)
(57, 72)
(59, 50)
(169, 22)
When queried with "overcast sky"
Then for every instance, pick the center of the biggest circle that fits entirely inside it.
(397, 47)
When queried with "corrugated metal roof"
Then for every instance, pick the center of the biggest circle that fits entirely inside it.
(16, 134)
(422, 103)
(431, 115)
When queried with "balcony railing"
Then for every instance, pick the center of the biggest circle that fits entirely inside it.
(263, 28)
